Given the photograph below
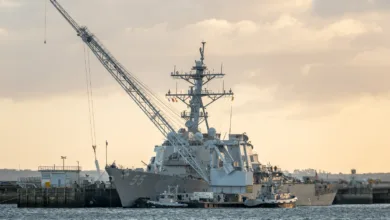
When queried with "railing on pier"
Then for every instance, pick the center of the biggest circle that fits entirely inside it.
(31, 179)
(59, 168)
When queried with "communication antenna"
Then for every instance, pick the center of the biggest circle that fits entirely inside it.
(201, 50)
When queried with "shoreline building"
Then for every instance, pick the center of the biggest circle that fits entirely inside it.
(59, 176)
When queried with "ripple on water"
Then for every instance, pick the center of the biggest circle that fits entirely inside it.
(301, 213)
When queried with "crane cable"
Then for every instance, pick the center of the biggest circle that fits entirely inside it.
(90, 90)
(167, 111)
(172, 114)
(162, 104)
(45, 22)
(90, 97)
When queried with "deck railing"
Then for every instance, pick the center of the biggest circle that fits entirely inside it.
(59, 168)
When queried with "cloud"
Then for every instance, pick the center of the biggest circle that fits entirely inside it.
(315, 78)
(9, 3)
(375, 57)
(302, 112)
(275, 46)
(3, 32)
(350, 27)
(305, 70)
(285, 33)
(338, 8)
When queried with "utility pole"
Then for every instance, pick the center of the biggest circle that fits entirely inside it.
(63, 162)
(78, 172)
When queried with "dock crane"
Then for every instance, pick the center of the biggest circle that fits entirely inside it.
(135, 90)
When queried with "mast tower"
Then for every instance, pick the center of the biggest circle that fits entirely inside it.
(198, 76)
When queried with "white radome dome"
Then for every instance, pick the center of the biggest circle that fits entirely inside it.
(212, 132)
(198, 136)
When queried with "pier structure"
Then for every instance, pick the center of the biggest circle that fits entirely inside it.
(62, 197)
(62, 187)
(8, 192)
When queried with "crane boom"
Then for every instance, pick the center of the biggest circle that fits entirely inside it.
(134, 89)
(120, 74)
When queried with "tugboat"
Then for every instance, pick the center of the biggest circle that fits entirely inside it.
(167, 200)
(268, 198)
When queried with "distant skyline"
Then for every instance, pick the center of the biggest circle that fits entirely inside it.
(311, 79)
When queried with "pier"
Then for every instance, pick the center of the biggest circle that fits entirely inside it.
(381, 193)
(373, 194)
(63, 187)
(8, 192)
(67, 198)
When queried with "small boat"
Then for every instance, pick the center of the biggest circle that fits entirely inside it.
(167, 200)
(268, 198)
(277, 200)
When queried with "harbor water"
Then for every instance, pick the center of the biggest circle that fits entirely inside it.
(329, 212)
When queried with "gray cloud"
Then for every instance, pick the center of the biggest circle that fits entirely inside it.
(9, 4)
(342, 7)
(332, 79)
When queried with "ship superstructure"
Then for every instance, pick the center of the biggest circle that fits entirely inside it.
(166, 159)
(226, 161)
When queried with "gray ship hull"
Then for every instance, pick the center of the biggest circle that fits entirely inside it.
(307, 195)
(132, 185)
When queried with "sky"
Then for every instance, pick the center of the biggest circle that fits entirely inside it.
(310, 78)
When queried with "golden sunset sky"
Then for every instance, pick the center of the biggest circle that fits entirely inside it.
(311, 78)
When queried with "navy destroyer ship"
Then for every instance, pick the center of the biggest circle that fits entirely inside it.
(195, 161)
(168, 168)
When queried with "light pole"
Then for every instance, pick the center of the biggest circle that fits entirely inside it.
(63, 162)
(78, 172)
(106, 151)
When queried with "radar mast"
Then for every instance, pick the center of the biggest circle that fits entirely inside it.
(198, 76)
